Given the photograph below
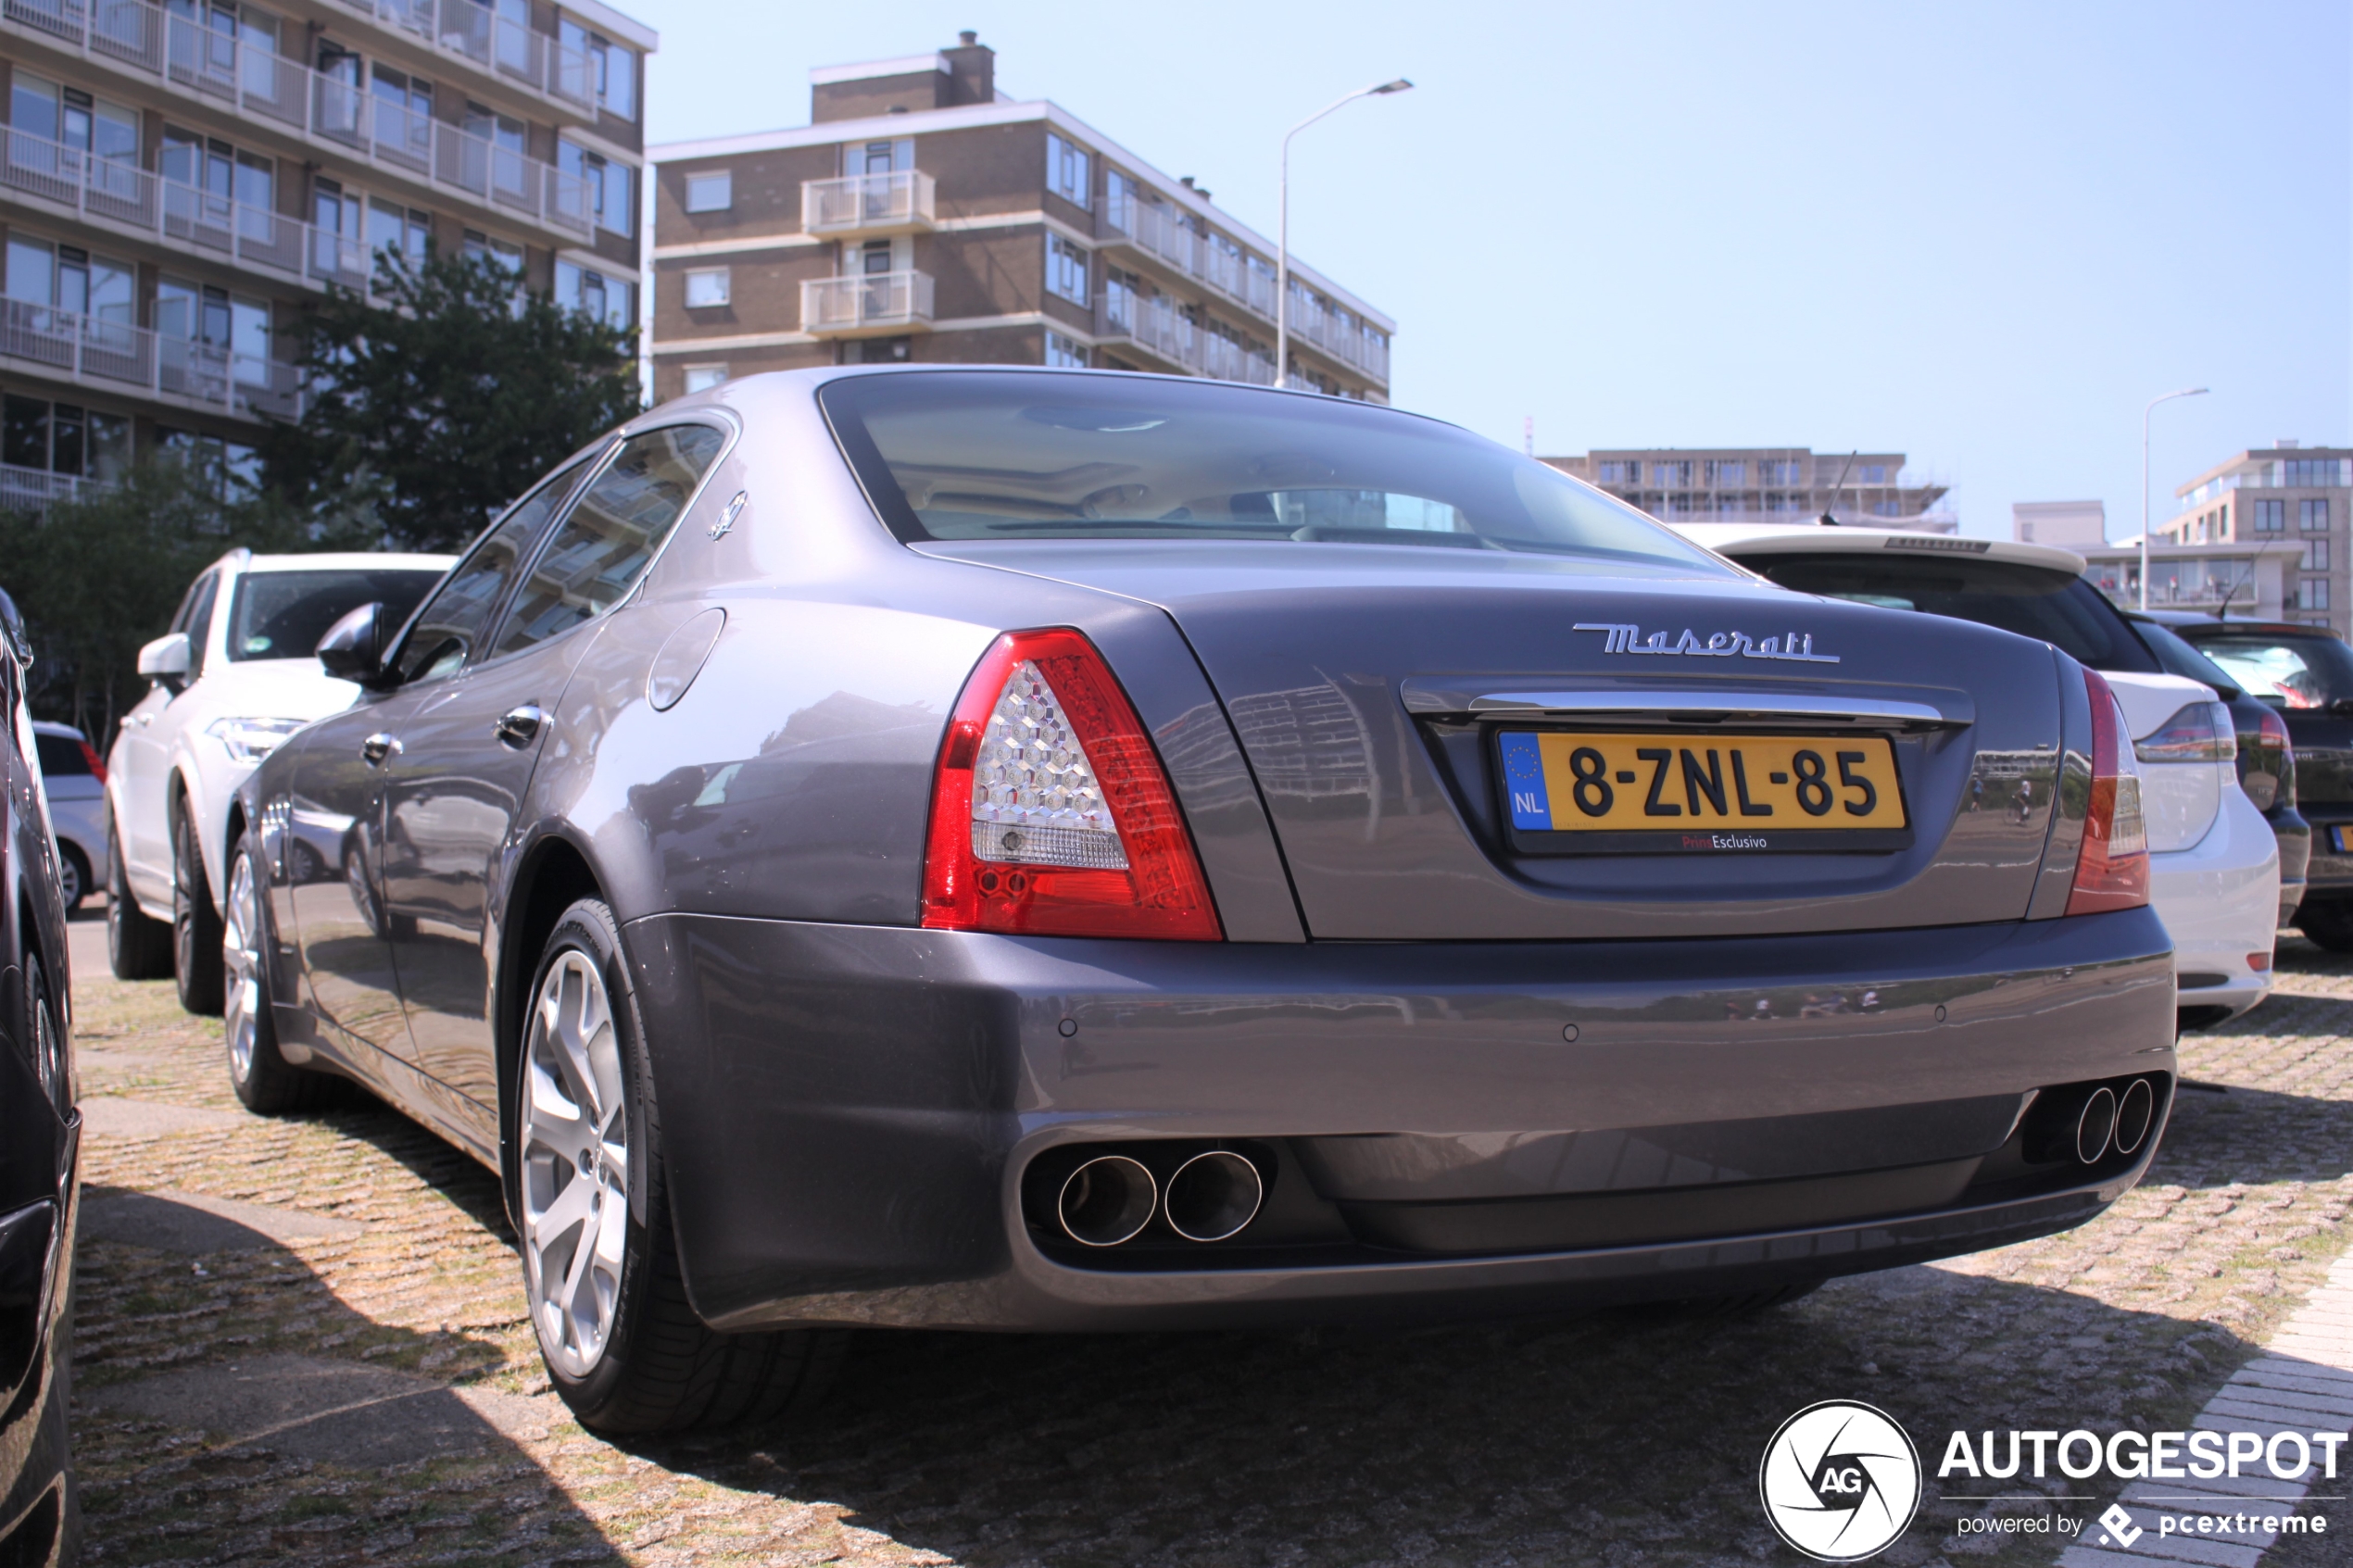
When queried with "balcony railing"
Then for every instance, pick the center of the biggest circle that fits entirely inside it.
(874, 303)
(104, 351)
(273, 88)
(180, 215)
(1155, 325)
(867, 203)
(33, 489)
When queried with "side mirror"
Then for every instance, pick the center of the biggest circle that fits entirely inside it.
(353, 647)
(166, 658)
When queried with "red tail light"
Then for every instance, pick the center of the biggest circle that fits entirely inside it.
(2112, 869)
(1050, 812)
(97, 763)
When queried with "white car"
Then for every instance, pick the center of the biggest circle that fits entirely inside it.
(236, 674)
(2214, 861)
(75, 781)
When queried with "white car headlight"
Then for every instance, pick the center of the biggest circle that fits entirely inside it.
(250, 740)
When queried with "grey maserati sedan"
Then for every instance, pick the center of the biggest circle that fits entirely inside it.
(1026, 850)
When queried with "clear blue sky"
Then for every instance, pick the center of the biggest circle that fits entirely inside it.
(1983, 234)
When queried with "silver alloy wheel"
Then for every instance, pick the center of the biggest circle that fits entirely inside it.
(241, 966)
(575, 1165)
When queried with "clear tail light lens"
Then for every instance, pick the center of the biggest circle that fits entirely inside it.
(2112, 868)
(2267, 764)
(2202, 731)
(1050, 813)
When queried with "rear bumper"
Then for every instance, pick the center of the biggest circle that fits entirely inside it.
(848, 1110)
(2219, 901)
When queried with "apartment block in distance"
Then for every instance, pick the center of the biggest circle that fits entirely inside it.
(1765, 485)
(181, 182)
(921, 216)
(2263, 534)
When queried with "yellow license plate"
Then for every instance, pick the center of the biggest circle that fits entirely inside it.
(1581, 793)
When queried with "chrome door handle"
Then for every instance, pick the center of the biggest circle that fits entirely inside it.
(378, 746)
(519, 727)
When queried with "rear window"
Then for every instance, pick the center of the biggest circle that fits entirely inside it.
(2180, 659)
(993, 455)
(2052, 606)
(61, 756)
(2286, 672)
(283, 614)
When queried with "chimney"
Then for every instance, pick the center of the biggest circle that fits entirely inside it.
(972, 72)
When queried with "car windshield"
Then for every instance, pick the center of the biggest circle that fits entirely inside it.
(283, 614)
(987, 455)
(2285, 670)
(2054, 606)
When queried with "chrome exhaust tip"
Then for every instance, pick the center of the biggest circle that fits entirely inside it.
(2095, 1125)
(1107, 1200)
(2134, 1112)
(1214, 1195)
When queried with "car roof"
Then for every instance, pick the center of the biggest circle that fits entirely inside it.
(2239, 627)
(1742, 540)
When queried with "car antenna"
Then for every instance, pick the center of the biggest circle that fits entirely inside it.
(1826, 521)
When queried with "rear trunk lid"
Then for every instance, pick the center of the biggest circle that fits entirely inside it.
(1371, 687)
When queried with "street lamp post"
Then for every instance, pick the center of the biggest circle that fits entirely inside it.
(2162, 397)
(1282, 235)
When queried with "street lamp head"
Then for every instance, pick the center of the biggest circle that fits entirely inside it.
(1399, 85)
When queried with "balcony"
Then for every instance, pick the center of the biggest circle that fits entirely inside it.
(1155, 325)
(119, 196)
(33, 489)
(336, 114)
(115, 356)
(480, 36)
(867, 205)
(873, 305)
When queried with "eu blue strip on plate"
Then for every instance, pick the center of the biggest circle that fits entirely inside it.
(1524, 777)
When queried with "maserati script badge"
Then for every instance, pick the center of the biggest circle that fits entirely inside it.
(1719, 645)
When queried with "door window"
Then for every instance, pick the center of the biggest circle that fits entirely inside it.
(452, 623)
(600, 550)
(200, 623)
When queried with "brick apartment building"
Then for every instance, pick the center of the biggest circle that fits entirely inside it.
(1764, 484)
(922, 216)
(2262, 532)
(178, 183)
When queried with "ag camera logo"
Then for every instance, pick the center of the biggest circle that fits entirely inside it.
(1840, 1480)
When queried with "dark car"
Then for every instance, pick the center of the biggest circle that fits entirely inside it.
(1064, 850)
(40, 1138)
(2305, 675)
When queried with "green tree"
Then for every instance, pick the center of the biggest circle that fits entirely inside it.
(99, 575)
(443, 404)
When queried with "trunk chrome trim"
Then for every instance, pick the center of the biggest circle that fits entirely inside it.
(1688, 705)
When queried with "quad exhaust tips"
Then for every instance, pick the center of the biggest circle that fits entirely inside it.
(2088, 1123)
(2134, 1112)
(1109, 1199)
(2094, 1124)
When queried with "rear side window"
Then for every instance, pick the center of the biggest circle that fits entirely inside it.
(598, 552)
(283, 614)
(61, 756)
(454, 620)
(2033, 601)
(2286, 672)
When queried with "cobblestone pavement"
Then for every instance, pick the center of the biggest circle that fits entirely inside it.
(303, 1342)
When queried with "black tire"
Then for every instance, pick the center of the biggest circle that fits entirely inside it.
(138, 947)
(265, 1082)
(196, 925)
(660, 1367)
(2326, 923)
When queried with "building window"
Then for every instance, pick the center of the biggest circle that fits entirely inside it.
(63, 438)
(877, 351)
(611, 300)
(403, 231)
(509, 256)
(2313, 595)
(1886, 508)
(706, 287)
(231, 468)
(1671, 473)
(1723, 474)
(1621, 473)
(1777, 473)
(610, 69)
(1065, 270)
(1121, 300)
(714, 191)
(2319, 472)
(604, 186)
(1871, 473)
(1065, 353)
(2316, 555)
(1120, 197)
(2270, 516)
(70, 278)
(1066, 172)
(702, 377)
(40, 108)
(2312, 517)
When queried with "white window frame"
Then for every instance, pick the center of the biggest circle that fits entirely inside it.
(726, 180)
(1070, 171)
(725, 288)
(1072, 353)
(1062, 253)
